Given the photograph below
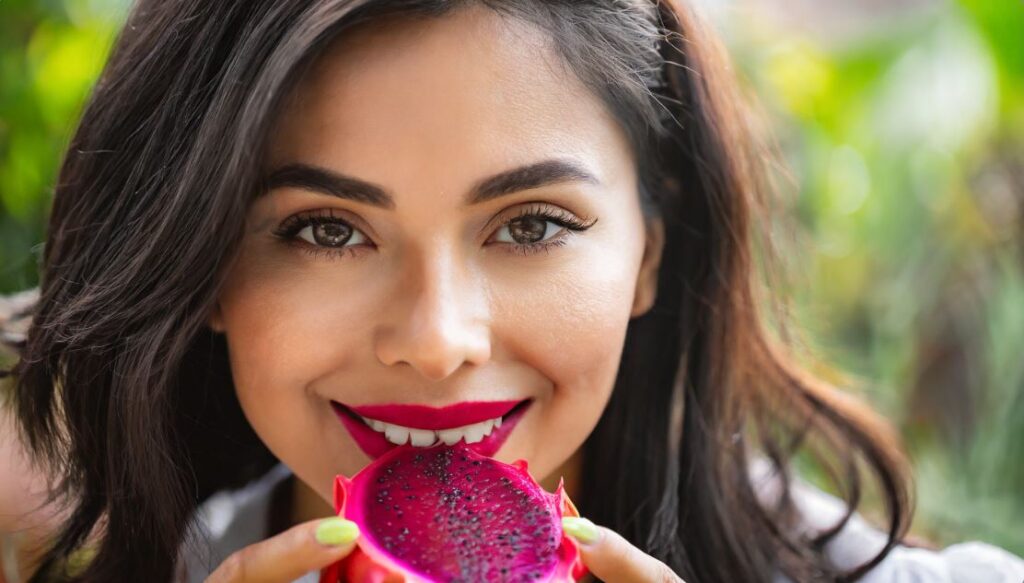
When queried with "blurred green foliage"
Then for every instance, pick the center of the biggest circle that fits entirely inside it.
(906, 145)
(905, 141)
(50, 54)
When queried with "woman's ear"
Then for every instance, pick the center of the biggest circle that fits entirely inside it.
(647, 278)
(215, 320)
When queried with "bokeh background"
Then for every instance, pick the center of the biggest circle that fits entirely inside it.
(902, 128)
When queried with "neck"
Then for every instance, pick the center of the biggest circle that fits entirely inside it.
(307, 505)
(569, 473)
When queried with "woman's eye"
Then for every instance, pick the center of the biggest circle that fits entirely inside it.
(528, 230)
(322, 234)
(540, 228)
(330, 234)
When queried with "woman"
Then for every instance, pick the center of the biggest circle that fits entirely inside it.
(278, 216)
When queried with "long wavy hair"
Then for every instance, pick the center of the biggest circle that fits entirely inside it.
(127, 395)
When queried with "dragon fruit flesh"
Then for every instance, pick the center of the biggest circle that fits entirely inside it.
(445, 514)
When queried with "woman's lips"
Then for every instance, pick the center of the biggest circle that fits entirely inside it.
(423, 417)
(374, 444)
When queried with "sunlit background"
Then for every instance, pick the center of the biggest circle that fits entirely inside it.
(902, 125)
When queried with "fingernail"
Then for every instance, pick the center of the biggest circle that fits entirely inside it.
(336, 532)
(581, 529)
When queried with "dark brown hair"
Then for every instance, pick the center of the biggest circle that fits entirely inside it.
(128, 396)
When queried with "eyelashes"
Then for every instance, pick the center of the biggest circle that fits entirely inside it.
(323, 234)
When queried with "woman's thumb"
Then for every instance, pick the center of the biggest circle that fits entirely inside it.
(293, 553)
(612, 558)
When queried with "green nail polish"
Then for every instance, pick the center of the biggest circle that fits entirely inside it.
(336, 532)
(581, 529)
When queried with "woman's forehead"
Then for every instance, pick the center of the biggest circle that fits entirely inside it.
(471, 92)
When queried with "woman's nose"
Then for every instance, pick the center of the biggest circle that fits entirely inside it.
(437, 320)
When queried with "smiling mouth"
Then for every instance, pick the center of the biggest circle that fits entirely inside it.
(418, 437)
(375, 430)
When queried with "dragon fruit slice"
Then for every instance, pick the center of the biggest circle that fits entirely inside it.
(444, 514)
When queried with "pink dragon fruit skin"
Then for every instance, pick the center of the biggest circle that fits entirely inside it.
(443, 514)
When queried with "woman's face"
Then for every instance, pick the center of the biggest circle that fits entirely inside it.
(402, 255)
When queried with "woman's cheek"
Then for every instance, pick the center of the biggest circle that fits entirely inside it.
(573, 318)
(569, 327)
(570, 324)
(286, 327)
(289, 321)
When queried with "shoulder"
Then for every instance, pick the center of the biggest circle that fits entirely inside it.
(968, 562)
(228, 521)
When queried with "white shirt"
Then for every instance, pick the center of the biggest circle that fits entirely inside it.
(238, 518)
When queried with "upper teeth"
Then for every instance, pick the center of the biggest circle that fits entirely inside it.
(399, 434)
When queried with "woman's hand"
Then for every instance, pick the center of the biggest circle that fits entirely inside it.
(612, 559)
(293, 553)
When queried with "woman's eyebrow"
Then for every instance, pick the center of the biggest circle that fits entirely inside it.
(329, 182)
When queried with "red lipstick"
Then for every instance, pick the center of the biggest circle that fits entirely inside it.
(424, 417)
(374, 444)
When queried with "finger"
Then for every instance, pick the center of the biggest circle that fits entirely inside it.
(612, 559)
(293, 553)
